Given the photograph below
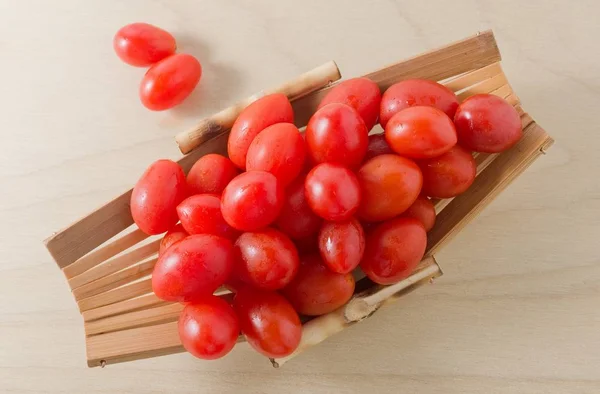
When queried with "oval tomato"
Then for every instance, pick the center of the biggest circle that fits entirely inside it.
(210, 174)
(208, 328)
(362, 94)
(175, 234)
(155, 197)
(268, 321)
(264, 112)
(393, 250)
(142, 44)
(337, 134)
(422, 210)
(201, 214)
(193, 268)
(266, 259)
(332, 192)
(389, 184)
(316, 290)
(296, 219)
(487, 123)
(342, 245)
(413, 92)
(448, 175)
(278, 149)
(252, 200)
(377, 146)
(420, 133)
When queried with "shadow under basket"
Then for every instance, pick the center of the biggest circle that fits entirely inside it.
(108, 261)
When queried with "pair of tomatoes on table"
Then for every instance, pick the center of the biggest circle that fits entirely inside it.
(285, 219)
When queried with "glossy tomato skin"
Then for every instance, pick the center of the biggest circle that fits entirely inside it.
(155, 197)
(362, 94)
(393, 250)
(332, 192)
(389, 185)
(278, 149)
(208, 328)
(420, 133)
(423, 210)
(175, 234)
(377, 146)
(264, 112)
(170, 81)
(201, 214)
(337, 134)
(142, 44)
(487, 123)
(450, 174)
(268, 321)
(342, 245)
(296, 219)
(210, 174)
(416, 92)
(193, 268)
(316, 290)
(252, 200)
(266, 259)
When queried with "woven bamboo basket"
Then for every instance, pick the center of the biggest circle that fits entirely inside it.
(108, 262)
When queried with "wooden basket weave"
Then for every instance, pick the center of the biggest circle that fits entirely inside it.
(108, 262)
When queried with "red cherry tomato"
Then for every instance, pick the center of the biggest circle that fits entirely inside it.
(193, 268)
(393, 250)
(332, 192)
(342, 245)
(389, 184)
(266, 259)
(170, 81)
(413, 92)
(448, 175)
(268, 321)
(316, 290)
(337, 134)
(377, 146)
(175, 234)
(201, 214)
(278, 149)
(296, 219)
(156, 195)
(142, 44)
(487, 123)
(422, 210)
(210, 174)
(252, 200)
(420, 133)
(362, 94)
(209, 328)
(264, 112)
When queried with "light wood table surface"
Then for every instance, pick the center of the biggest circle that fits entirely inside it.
(518, 310)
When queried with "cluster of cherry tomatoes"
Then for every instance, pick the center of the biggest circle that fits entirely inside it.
(171, 76)
(286, 218)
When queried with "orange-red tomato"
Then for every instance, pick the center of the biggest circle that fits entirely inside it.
(342, 245)
(142, 44)
(316, 290)
(170, 81)
(156, 195)
(193, 268)
(175, 234)
(393, 250)
(201, 214)
(420, 133)
(296, 219)
(423, 210)
(210, 174)
(448, 175)
(337, 134)
(208, 328)
(389, 184)
(278, 149)
(487, 123)
(268, 321)
(264, 112)
(413, 92)
(332, 192)
(362, 94)
(377, 146)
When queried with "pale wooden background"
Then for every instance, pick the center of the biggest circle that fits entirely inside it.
(519, 307)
